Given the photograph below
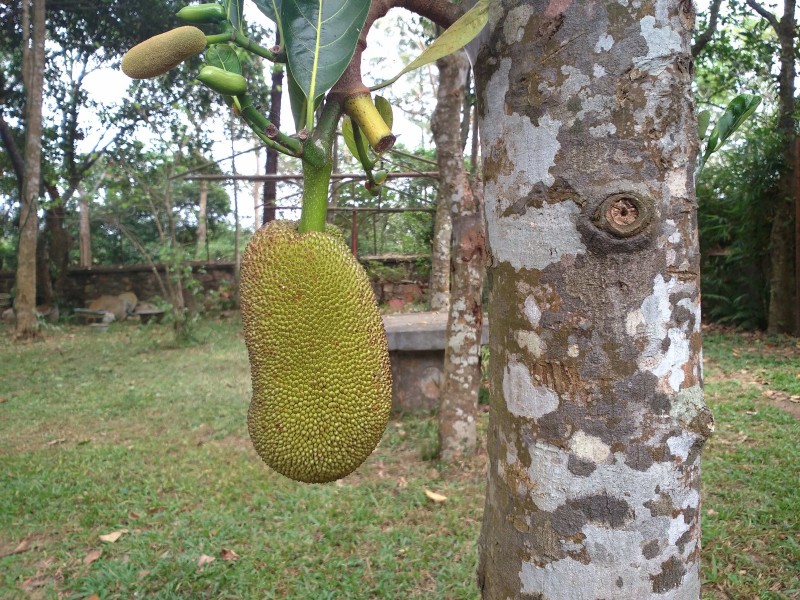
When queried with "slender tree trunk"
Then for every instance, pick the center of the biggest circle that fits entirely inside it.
(202, 219)
(257, 196)
(782, 316)
(462, 372)
(33, 58)
(85, 232)
(597, 417)
(271, 166)
(439, 290)
(59, 242)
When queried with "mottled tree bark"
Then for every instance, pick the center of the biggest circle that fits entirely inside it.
(439, 288)
(597, 417)
(33, 57)
(462, 373)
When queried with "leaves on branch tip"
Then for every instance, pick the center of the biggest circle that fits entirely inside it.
(458, 35)
(320, 38)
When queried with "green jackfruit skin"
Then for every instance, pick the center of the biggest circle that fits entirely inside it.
(163, 52)
(319, 358)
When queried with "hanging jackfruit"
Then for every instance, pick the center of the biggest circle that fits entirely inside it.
(319, 359)
(163, 52)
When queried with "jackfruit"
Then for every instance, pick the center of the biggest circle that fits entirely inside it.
(163, 52)
(319, 358)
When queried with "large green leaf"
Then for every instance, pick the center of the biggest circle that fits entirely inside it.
(320, 39)
(298, 102)
(272, 10)
(234, 10)
(458, 35)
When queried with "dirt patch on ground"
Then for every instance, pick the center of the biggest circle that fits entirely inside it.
(786, 402)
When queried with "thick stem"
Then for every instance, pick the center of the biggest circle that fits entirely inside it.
(268, 132)
(316, 179)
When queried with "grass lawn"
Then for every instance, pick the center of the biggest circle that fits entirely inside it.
(123, 433)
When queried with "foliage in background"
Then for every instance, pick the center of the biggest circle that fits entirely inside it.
(735, 217)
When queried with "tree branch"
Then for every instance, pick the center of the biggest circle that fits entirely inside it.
(441, 12)
(771, 19)
(704, 38)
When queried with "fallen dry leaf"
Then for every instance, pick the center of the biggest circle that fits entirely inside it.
(56, 442)
(3, 400)
(434, 496)
(23, 546)
(92, 556)
(205, 559)
(93, 597)
(113, 536)
(134, 515)
(228, 554)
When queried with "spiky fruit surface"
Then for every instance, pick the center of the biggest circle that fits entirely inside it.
(319, 359)
(163, 52)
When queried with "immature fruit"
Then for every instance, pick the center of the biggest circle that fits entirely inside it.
(202, 13)
(319, 359)
(222, 81)
(163, 52)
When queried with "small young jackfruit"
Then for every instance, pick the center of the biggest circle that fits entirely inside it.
(163, 52)
(319, 359)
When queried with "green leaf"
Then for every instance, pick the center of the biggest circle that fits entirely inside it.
(458, 35)
(224, 57)
(385, 110)
(320, 39)
(234, 10)
(272, 10)
(703, 120)
(349, 137)
(298, 102)
(737, 112)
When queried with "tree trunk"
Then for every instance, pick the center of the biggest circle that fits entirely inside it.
(257, 196)
(59, 242)
(271, 166)
(33, 58)
(201, 220)
(597, 417)
(85, 232)
(462, 372)
(439, 289)
(782, 317)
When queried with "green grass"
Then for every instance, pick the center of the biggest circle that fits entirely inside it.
(124, 431)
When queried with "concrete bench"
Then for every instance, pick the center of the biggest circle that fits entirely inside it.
(416, 349)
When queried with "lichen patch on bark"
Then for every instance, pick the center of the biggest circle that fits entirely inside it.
(523, 397)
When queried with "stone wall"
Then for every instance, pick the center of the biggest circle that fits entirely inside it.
(82, 285)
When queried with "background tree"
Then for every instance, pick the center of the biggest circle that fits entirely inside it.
(461, 376)
(755, 51)
(86, 38)
(33, 43)
(597, 417)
